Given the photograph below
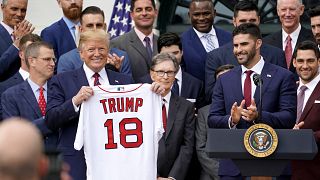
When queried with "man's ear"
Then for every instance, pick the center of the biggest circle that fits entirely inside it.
(294, 62)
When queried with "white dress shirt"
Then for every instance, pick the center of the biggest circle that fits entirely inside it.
(294, 38)
(311, 86)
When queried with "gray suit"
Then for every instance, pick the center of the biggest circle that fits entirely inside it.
(130, 42)
(209, 165)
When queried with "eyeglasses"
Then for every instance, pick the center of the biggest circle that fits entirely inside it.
(48, 59)
(162, 73)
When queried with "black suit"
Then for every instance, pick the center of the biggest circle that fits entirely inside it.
(275, 39)
(176, 145)
(14, 80)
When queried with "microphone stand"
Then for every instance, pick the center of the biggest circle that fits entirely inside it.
(258, 82)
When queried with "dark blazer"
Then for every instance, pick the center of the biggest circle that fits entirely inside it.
(61, 114)
(224, 55)
(177, 143)
(275, 39)
(195, 55)
(19, 100)
(9, 55)
(138, 56)
(14, 80)
(59, 36)
(192, 88)
(310, 116)
(278, 106)
(72, 60)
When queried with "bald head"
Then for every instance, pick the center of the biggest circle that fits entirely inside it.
(21, 150)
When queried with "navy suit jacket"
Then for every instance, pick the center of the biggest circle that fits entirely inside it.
(59, 36)
(195, 55)
(177, 144)
(14, 80)
(9, 55)
(224, 55)
(61, 113)
(19, 100)
(192, 88)
(72, 60)
(278, 106)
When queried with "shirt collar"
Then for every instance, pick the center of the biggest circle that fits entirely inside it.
(294, 35)
(256, 68)
(312, 84)
(35, 87)
(8, 28)
(69, 23)
(201, 34)
(179, 75)
(141, 36)
(89, 73)
(24, 73)
(167, 97)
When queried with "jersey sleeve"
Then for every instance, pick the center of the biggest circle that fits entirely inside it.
(79, 140)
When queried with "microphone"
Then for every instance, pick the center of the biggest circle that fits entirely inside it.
(258, 82)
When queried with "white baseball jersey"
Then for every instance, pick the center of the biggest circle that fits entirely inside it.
(119, 127)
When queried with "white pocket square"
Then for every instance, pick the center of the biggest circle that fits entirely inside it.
(317, 101)
(194, 100)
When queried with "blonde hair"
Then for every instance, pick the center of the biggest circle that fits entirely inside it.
(94, 35)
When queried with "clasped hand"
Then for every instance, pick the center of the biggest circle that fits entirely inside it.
(249, 114)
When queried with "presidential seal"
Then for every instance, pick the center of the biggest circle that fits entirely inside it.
(260, 140)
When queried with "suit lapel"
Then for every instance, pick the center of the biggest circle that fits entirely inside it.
(28, 94)
(139, 47)
(194, 39)
(236, 86)
(113, 80)
(155, 46)
(315, 95)
(5, 35)
(65, 30)
(266, 75)
(172, 113)
(80, 78)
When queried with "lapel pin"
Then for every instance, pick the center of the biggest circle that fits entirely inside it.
(116, 81)
(268, 75)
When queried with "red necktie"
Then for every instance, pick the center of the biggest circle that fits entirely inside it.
(247, 88)
(288, 51)
(96, 79)
(42, 102)
(164, 115)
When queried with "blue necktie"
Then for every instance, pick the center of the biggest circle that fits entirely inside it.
(148, 47)
(210, 45)
(73, 30)
(175, 88)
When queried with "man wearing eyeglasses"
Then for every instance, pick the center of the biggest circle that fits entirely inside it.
(28, 99)
(176, 145)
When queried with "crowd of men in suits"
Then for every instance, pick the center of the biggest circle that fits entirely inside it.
(45, 79)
